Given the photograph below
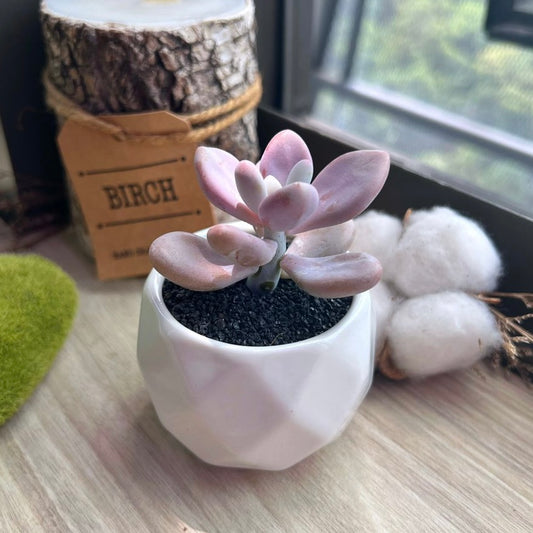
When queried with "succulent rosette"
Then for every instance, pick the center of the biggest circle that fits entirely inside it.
(276, 197)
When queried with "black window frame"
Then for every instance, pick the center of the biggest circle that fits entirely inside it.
(508, 21)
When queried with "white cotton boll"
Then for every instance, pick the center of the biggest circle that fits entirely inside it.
(442, 250)
(377, 234)
(384, 302)
(441, 332)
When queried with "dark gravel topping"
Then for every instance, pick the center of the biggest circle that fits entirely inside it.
(236, 316)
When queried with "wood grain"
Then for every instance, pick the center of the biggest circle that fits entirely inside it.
(87, 453)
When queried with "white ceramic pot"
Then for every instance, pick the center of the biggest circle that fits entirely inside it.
(254, 407)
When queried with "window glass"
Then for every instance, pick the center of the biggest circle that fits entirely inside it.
(421, 79)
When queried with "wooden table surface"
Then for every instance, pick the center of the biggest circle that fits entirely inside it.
(87, 453)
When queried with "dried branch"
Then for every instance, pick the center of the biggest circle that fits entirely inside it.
(516, 353)
(525, 297)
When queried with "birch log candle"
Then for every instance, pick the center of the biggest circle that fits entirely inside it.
(124, 56)
(109, 59)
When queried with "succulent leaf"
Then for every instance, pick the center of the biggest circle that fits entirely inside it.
(288, 206)
(272, 184)
(334, 276)
(188, 260)
(283, 151)
(346, 187)
(216, 175)
(277, 198)
(250, 184)
(323, 241)
(241, 246)
(302, 171)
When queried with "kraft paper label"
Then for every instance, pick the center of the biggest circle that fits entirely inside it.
(132, 192)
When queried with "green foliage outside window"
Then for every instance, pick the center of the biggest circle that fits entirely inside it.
(437, 53)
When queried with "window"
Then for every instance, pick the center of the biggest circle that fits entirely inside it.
(422, 80)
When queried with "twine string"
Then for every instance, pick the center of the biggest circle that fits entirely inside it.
(204, 124)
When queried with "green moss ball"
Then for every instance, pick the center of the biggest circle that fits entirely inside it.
(38, 302)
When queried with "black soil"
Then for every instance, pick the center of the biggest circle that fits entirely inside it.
(236, 316)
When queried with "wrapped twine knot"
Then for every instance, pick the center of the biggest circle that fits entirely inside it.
(203, 124)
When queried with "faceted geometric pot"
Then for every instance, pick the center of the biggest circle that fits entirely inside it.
(254, 407)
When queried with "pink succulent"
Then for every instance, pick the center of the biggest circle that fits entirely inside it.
(277, 198)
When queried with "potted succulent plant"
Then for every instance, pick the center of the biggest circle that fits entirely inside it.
(264, 406)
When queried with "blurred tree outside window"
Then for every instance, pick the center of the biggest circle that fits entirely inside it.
(421, 79)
